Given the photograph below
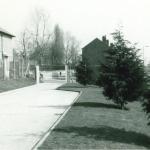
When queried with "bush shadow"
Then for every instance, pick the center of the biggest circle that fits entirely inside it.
(95, 104)
(109, 134)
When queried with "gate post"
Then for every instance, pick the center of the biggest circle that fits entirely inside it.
(37, 75)
(67, 73)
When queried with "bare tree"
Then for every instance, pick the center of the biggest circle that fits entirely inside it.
(24, 47)
(47, 46)
(41, 35)
(40, 30)
(35, 41)
(71, 49)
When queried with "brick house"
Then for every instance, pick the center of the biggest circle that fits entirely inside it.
(6, 53)
(93, 55)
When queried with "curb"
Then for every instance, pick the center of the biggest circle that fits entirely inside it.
(22, 88)
(48, 132)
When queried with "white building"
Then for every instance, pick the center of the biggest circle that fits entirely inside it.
(6, 52)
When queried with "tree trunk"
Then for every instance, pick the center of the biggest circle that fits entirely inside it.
(122, 103)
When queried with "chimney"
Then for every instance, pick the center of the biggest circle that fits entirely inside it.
(104, 39)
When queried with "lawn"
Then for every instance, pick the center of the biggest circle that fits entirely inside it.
(6, 85)
(95, 123)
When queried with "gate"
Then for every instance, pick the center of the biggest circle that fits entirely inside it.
(53, 72)
(45, 73)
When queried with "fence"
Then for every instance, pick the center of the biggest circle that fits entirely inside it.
(16, 67)
(20, 67)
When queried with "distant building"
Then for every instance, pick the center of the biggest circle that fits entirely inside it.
(6, 53)
(93, 55)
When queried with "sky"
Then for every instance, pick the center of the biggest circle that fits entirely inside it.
(85, 19)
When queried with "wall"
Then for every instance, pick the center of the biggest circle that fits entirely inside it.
(6, 48)
(93, 56)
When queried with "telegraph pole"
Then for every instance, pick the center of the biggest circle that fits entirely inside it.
(144, 53)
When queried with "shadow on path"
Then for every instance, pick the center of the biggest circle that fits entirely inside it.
(109, 134)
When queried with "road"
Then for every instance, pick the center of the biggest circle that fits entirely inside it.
(27, 113)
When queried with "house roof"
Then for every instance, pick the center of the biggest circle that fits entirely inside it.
(96, 40)
(4, 32)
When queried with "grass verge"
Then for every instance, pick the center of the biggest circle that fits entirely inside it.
(94, 123)
(6, 85)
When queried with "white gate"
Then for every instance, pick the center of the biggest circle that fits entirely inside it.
(65, 74)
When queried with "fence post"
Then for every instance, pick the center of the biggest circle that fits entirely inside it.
(37, 75)
(22, 67)
(14, 67)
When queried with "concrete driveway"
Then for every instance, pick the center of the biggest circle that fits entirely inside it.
(27, 113)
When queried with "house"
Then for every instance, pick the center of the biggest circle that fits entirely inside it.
(6, 53)
(93, 55)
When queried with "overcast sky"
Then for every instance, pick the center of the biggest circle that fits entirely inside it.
(86, 19)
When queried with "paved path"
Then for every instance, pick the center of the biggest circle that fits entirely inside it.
(27, 113)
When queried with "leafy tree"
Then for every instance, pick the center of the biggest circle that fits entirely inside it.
(58, 47)
(122, 75)
(83, 73)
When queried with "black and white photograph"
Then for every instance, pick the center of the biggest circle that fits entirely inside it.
(74, 74)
